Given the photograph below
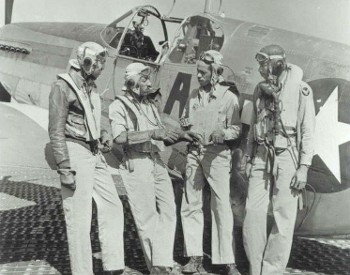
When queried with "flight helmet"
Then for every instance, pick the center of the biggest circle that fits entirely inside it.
(88, 55)
(274, 56)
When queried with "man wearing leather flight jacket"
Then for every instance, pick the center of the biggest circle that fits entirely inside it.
(76, 141)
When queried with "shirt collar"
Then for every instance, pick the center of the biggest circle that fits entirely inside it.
(214, 93)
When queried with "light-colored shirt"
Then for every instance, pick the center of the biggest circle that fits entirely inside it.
(218, 109)
(145, 118)
(297, 115)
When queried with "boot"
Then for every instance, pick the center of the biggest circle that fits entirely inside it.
(194, 265)
(231, 269)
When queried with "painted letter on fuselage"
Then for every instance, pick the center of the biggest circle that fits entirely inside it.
(179, 92)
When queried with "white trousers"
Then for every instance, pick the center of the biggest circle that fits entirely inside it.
(268, 255)
(151, 197)
(93, 181)
(214, 166)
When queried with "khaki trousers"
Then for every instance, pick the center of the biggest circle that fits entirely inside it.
(213, 165)
(151, 197)
(269, 254)
(93, 180)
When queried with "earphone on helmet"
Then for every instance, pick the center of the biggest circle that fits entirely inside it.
(130, 83)
(87, 65)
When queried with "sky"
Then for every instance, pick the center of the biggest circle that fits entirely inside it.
(328, 19)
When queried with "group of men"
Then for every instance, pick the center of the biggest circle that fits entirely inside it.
(279, 153)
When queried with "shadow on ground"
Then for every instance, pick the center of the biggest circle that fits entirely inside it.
(38, 233)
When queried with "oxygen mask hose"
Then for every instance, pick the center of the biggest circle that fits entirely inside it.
(277, 114)
(271, 91)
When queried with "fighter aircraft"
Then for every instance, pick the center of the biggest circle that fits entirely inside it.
(32, 54)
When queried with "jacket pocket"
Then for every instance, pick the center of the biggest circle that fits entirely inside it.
(76, 125)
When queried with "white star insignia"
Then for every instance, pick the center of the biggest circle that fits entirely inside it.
(330, 133)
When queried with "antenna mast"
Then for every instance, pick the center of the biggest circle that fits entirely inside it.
(207, 6)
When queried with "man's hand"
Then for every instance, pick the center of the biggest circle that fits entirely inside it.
(67, 178)
(248, 164)
(190, 136)
(248, 169)
(195, 136)
(171, 136)
(300, 178)
(184, 136)
(106, 142)
(168, 135)
(217, 137)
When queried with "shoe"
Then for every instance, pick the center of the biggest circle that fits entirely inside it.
(113, 272)
(126, 271)
(231, 269)
(194, 265)
(159, 270)
(174, 271)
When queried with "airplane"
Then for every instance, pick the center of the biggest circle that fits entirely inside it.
(32, 54)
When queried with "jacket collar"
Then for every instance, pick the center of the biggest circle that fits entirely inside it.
(80, 81)
(292, 71)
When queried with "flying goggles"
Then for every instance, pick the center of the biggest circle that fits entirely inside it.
(263, 57)
(206, 58)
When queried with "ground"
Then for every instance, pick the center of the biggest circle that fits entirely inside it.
(33, 237)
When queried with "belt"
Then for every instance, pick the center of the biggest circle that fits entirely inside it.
(92, 146)
(196, 148)
(146, 147)
(272, 152)
(128, 150)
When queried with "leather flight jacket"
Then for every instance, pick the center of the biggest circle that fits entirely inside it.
(68, 112)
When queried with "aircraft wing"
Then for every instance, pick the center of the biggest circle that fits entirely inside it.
(24, 142)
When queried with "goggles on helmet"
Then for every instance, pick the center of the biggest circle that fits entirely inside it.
(146, 72)
(211, 57)
(90, 53)
(101, 57)
(206, 58)
(263, 57)
(135, 71)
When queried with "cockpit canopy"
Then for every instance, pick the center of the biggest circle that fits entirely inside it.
(139, 34)
(196, 35)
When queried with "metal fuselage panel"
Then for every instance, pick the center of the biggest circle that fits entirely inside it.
(28, 77)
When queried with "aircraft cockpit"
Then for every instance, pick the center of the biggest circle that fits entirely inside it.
(197, 34)
(139, 34)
